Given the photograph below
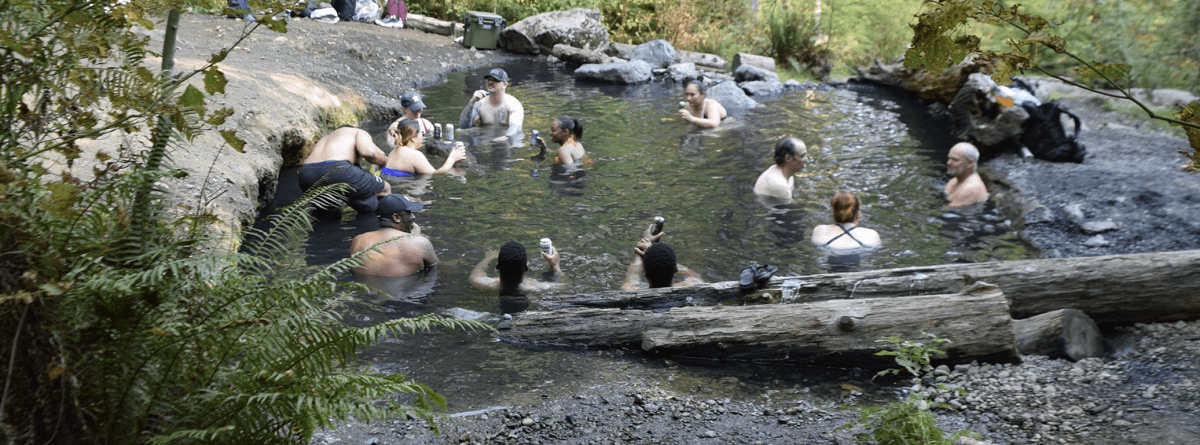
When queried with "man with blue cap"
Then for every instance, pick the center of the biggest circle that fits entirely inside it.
(397, 247)
(493, 106)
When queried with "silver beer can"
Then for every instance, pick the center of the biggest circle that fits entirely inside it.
(533, 136)
(437, 131)
(448, 133)
(547, 246)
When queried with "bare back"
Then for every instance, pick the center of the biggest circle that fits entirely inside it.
(571, 153)
(346, 144)
(398, 257)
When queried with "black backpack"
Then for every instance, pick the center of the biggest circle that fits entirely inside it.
(1045, 136)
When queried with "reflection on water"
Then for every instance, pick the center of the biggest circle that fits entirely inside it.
(407, 292)
(648, 162)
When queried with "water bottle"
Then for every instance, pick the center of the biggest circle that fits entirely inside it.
(448, 133)
(533, 136)
(547, 247)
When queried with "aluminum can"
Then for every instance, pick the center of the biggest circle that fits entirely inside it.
(437, 131)
(658, 225)
(533, 135)
(547, 247)
(448, 133)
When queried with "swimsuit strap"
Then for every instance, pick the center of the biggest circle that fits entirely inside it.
(703, 106)
(847, 233)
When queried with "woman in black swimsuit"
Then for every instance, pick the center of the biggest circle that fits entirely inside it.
(845, 233)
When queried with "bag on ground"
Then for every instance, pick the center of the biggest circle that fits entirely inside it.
(1045, 136)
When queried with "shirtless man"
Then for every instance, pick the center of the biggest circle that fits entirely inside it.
(498, 109)
(566, 132)
(966, 187)
(412, 107)
(335, 158)
(399, 248)
(511, 264)
(700, 110)
(777, 180)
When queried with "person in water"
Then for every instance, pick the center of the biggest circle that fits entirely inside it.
(399, 248)
(335, 159)
(700, 110)
(511, 264)
(412, 108)
(845, 234)
(494, 106)
(407, 160)
(966, 187)
(566, 132)
(777, 180)
(656, 262)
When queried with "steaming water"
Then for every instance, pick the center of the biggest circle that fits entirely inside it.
(647, 162)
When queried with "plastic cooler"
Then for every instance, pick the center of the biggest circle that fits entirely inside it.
(482, 29)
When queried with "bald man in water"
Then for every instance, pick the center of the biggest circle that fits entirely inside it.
(966, 187)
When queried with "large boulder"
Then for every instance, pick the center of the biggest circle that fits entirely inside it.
(578, 56)
(760, 88)
(658, 53)
(731, 97)
(634, 71)
(750, 73)
(681, 72)
(579, 27)
(978, 117)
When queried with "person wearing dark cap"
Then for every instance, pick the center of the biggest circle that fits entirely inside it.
(412, 107)
(511, 263)
(493, 106)
(397, 248)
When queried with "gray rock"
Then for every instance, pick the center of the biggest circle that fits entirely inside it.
(579, 27)
(977, 116)
(792, 85)
(636, 71)
(731, 97)
(762, 88)
(1096, 241)
(748, 73)
(681, 72)
(1075, 213)
(578, 56)
(658, 53)
(1094, 227)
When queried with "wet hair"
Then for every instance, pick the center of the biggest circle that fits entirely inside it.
(660, 265)
(968, 150)
(703, 89)
(408, 128)
(572, 125)
(789, 146)
(845, 207)
(511, 262)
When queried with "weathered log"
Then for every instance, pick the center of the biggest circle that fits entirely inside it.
(710, 61)
(1068, 333)
(754, 60)
(976, 321)
(1113, 289)
(432, 25)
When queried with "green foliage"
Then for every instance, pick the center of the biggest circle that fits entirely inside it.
(940, 40)
(908, 421)
(128, 331)
(795, 38)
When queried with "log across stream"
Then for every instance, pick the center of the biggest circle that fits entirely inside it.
(991, 311)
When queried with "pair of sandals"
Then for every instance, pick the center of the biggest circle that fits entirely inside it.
(754, 277)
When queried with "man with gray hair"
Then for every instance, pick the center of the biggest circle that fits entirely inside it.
(966, 187)
(777, 180)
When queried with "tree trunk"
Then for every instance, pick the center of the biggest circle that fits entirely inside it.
(1063, 333)
(432, 25)
(1112, 290)
(827, 332)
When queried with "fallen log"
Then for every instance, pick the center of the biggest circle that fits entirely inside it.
(1112, 290)
(571, 54)
(1063, 333)
(976, 322)
(432, 25)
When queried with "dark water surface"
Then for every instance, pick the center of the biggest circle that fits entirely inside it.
(647, 162)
